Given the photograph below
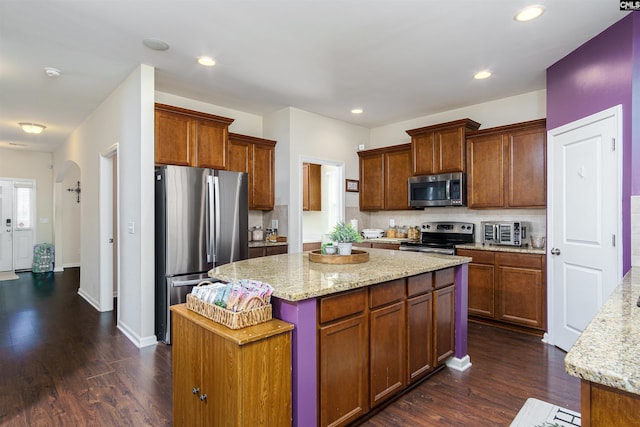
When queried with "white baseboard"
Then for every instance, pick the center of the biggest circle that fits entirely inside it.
(89, 299)
(459, 364)
(135, 338)
(71, 265)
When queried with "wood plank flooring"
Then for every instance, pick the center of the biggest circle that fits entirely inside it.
(62, 363)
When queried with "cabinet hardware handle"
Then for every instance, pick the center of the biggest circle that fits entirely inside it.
(195, 390)
(203, 397)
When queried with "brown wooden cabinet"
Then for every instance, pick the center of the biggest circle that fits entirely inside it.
(420, 351)
(506, 166)
(509, 288)
(217, 372)
(440, 148)
(384, 176)
(374, 342)
(343, 358)
(387, 341)
(260, 251)
(311, 187)
(601, 405)
(190, 138)
(256, 157)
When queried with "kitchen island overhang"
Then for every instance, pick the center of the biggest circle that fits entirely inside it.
(299, 283)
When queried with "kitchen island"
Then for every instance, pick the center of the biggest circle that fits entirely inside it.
(351, 305)
(606, 357)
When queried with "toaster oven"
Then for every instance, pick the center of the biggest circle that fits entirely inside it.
(512, 233)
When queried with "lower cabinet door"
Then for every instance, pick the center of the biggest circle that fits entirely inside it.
(344, 359)
(444, 323)
(187, 372)
(420, 335)
(387, 352)
(481, 295)
(520, 297)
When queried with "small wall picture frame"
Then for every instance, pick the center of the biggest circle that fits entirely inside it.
(352, 185)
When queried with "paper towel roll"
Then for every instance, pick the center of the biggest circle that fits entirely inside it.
(354, 224)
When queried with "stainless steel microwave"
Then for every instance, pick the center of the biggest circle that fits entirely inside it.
(512, 233)
(447, 189)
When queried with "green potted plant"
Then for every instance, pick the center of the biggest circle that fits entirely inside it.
(344, 234)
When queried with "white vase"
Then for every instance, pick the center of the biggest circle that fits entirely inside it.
(344, 248)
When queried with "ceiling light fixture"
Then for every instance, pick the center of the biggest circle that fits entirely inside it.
(357, 111)
(52, 72)
(155, 44)
(207, 61)
(481, 75)
(33, 128)
(529, 13)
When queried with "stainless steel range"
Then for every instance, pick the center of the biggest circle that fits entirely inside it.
(441, 237)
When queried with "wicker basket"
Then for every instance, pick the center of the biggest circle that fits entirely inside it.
(228, 318)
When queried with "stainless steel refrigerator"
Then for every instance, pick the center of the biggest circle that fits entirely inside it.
(201, 221)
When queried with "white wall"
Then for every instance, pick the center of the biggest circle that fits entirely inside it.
(70, 251)
(33, 165)
(244, 123)
(317, 137)
(515, 109)
(126, 118)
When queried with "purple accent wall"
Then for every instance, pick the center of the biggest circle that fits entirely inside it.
(600, 74)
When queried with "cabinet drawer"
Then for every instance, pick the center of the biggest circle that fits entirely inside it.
(520, 260)
(479, 257)
(419, 284)
(445, 278)
(386, 293)
(342, 305)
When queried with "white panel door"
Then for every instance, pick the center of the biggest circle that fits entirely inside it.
(6, 225)
(584, 227)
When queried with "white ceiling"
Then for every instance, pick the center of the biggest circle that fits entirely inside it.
(396, 59)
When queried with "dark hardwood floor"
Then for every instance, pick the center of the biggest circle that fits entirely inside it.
(62, 363)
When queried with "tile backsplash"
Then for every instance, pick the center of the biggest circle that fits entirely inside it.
(536, 217)
(635, 231)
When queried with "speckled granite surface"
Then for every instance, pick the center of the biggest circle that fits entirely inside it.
(608, 351)
(498, 248)
(295, 278)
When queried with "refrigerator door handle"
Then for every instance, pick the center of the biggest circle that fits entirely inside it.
(215, 241)
(209, 229)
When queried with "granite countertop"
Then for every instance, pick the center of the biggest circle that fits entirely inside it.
(608, 351)
(264, 243)
(295, 278)
(525, 249)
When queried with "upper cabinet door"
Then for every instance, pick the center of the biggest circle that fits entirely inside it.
(173, 143)
(440, 148)
(371, 181)
(190, 138)
(528, 168)
(397, 173)
(423, 149)
(485, 176)
(212, 140)
(263, 170)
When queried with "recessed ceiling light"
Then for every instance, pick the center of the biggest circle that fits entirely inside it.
(357, 111)
(480, 75)
(207, 61)
(155, 44)
(33, 128)
(52, 72)
(529, 13)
